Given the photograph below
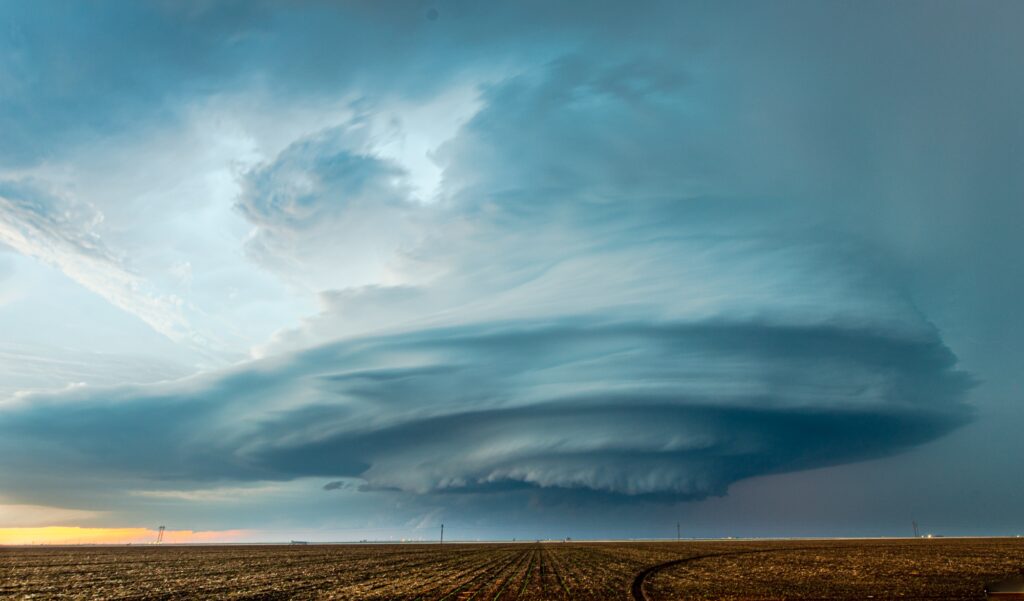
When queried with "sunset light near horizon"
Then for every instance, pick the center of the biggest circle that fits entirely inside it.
(74, 535)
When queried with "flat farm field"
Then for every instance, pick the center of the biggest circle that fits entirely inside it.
(949, 569)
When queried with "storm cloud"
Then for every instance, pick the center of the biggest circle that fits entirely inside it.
(659, 399)
(476, 256)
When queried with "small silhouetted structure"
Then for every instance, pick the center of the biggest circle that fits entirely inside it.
(1004, 590)
(160, 535)
(300, 542)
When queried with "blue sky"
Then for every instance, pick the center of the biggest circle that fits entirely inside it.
(349, 270)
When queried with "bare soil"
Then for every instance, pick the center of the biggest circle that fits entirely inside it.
(727, 570)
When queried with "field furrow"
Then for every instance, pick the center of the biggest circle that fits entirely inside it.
(953, 569)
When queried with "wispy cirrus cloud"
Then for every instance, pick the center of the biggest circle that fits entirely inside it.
(62, 232)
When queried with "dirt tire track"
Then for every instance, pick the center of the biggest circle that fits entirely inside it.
(640, 594)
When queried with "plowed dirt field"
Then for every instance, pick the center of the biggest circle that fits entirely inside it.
(728, 570)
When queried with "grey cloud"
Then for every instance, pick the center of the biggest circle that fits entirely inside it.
(339, 485)
(678, 410)
(293, 191)
(72, 75)
(597, 130)
(327, 203)
(819, 397)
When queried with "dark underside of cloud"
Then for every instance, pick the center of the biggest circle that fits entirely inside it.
(669, 410)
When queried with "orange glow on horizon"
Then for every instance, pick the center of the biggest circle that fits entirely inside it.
(74, 535)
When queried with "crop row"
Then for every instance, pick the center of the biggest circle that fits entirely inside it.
(952, 569)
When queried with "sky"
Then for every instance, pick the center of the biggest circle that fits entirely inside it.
(351, 270)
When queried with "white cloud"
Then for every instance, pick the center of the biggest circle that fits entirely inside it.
(63, 232)
(220, 494)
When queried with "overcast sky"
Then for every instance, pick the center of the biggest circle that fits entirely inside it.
(532, 269)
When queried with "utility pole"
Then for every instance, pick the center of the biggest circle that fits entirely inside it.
(917, 533)
(160, 535)
(679, 535)
(442, 534)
